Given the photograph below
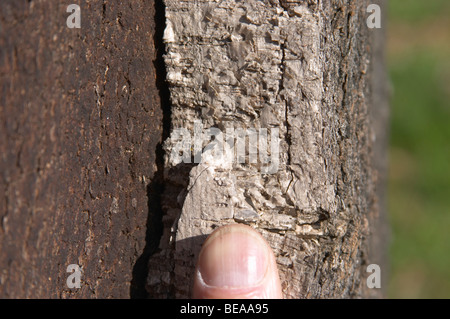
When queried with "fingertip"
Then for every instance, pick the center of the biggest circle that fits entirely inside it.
(236, 262)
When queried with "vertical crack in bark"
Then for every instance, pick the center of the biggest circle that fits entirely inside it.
(286, 109)
(155, 189)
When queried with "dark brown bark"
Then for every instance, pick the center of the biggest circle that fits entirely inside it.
(80, 127)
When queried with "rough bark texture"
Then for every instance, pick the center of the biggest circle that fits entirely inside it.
(308, 69)
(80, 120)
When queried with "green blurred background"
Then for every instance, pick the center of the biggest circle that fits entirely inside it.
(419, 175)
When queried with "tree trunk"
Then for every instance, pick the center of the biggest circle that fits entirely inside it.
(84, 176)
(314, 71)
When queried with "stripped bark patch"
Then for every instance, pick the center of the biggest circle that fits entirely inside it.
(297, 67)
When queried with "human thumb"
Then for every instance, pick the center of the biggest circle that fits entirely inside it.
(236, 262)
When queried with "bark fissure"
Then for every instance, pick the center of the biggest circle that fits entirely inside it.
(155, 189)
